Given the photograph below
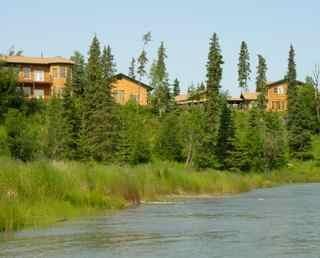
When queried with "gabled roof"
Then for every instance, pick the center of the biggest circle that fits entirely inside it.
(120, 76)
(35, 60)
(249, 95)
(269, 84)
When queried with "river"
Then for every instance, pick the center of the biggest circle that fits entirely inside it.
(279, 222)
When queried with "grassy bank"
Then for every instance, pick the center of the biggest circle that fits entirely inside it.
(42, 193)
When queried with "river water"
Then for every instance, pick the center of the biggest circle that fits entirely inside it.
(278, 222)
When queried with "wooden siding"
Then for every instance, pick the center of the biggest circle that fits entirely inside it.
(125, 90)
(277, 97)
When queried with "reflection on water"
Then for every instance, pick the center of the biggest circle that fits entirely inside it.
(280, 222)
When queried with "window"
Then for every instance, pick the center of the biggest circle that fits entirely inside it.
(275, 90)
(27, 73)
(63, 72)
(119, 96)
(55, 72)
(280, 90)
(134, 98)
(26, 91)
(39, 76)
(38, 93)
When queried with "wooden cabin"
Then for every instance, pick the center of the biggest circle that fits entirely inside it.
(277, 95)
(42, 77)
(127, 89)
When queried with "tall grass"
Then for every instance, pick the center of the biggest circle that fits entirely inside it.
(40, 193)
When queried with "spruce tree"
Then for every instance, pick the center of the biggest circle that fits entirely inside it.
(226, 137)
(176, 87)
(99, 120)
(244, 70)
(142, 61)
(214, 76)
(70, 122)
(132, 68)
(78, 74)
(299, 137)
(261, 82)
(161, 99)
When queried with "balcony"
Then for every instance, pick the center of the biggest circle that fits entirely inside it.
(35, 77)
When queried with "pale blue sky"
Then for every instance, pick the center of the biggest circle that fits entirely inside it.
(269, 26)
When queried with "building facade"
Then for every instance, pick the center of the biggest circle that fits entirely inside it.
(127, 89)
(277, 95)
(40, 77)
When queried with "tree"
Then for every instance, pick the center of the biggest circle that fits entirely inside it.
(70, 122)
(168, 145)
(78, 74)
(176, 87)
(99, 120)
(21, 139)
(244, 70)
(142, 59)
(211, 124)
(132, 68)
(299, 137)
(10, 94)
(316, 85)
(134, 145)
(161, 99)
(226, 137)
(261, 82)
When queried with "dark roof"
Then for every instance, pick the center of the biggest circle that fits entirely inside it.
(120, 76)
(282, 81)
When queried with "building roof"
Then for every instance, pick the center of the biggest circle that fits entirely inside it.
(120, 76)
(234, 99)
(249, 96)
(281, 82)
(35, 60)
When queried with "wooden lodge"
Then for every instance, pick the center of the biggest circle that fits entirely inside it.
(43, 77)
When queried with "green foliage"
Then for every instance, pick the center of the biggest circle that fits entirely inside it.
(211, 124)
(226, 137)
(10, 95)
(168, 145)
(261, 82)
(299, 135)
(132, 68)
(99, 123)
(244, 70)
(133, 143)
(176, 87)
(21, 137)
(161, 99)
(78, 74)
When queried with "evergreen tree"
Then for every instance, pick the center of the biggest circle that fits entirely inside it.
(71, 122)
(55, 133)
(78, 74)
(299, 137)
(132, 68)
(176, 87)
(244, 67)
(142, 62)
(99, 120)
(214, 76)
(161, 98)
(168, 145)
(261, 82)
(10, 94)
(226, 137)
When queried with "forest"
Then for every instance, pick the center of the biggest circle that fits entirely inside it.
(83, 130)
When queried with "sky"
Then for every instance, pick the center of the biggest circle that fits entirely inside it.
(59, 27)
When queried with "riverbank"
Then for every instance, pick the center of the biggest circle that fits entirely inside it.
(42, 193)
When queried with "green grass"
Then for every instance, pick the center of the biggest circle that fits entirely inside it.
(41, 193)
